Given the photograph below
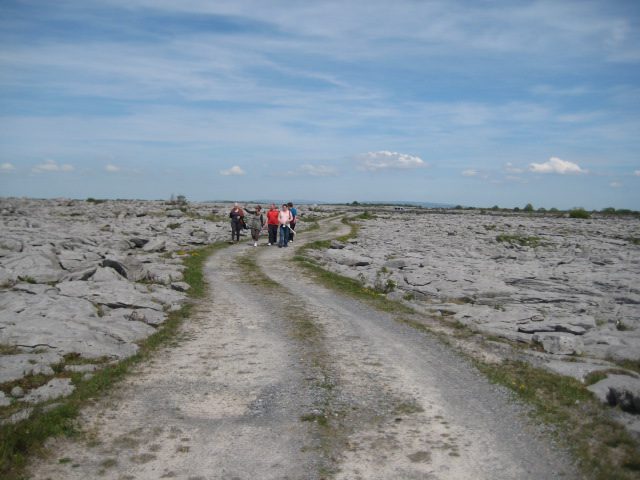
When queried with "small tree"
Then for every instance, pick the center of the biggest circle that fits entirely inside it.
(528, 208)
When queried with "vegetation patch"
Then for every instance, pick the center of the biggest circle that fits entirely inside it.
(521, 240)
(25, 438)
(603, 447)
(579, 213)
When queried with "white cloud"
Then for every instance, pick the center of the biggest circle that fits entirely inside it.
(510, 168)
(314, 171)
(615, 184)
(470, 173)
(556, 165)
(383, 159)
(235, 170)
(637, 173)
(7, 167)
(52, 166)
(112, 168)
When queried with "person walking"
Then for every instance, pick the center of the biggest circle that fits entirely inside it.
(272, 224)
(284, 220)
(237, 222)
(256, 223)
(292, 226)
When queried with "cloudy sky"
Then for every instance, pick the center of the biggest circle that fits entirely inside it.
(464, 102)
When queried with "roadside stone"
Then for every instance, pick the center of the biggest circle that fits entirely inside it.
(624, 353)
(577, 370)
(619, 390)
(17, 392)
(4, 400)
(336, 245)
(55, 388)
(180, 286)
(15, 367)
(559, 343)
(148, 316)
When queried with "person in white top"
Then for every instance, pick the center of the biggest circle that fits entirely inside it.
(284, 220)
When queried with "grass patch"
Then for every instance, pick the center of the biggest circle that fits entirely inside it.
(25, 438)
(520, 240)
(603, 448)
(579, 213)
(366, 215)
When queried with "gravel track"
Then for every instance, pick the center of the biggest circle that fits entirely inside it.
(292, 380)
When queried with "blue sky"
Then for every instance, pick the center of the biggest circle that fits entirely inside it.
(475, 103)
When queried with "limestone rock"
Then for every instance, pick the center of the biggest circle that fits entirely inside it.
(156, 245)
(42, 267)
(114, 294)
(559, 343)
(106, 275)
(395, 263)
(17, 392)
(55, 388)
(14, 367)
(4, 400)
(180, 286)
(619, 390)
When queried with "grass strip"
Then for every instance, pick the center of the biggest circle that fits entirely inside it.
(20, 440)
(603, 448)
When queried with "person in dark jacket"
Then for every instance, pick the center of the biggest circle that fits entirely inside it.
(237, 222)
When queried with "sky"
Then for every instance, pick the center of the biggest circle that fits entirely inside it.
(477, 103)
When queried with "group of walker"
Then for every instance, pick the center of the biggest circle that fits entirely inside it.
(281, 224)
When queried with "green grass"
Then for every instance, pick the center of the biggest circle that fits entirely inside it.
(19, 441)
(520, 240)
(604, 449)
(579, 213)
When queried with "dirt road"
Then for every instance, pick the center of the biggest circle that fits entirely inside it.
(277, 377)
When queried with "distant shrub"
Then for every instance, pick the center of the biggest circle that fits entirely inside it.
(366, 215)
(542, 210)
(579, 213)
(528, 208)
(516, 209)
(495, 207)
(95, 200)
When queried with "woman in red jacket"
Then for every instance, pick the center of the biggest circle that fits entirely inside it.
(272, 224)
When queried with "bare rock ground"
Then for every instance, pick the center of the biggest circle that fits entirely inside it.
(566, 288)
(277, 377)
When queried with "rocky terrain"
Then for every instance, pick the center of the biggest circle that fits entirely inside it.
(87, 280)
(568, 289)
(82, 282)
